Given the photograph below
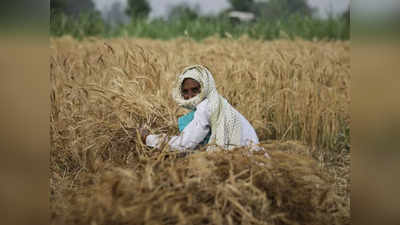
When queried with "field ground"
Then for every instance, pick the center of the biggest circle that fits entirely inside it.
(295, 93)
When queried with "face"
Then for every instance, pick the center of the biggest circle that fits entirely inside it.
(190, 88)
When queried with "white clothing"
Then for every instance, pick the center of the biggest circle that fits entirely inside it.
(199, 127)
(225, 121)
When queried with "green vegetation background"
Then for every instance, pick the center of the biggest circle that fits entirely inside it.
(275, 19)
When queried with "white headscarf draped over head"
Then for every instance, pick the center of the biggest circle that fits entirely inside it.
(225, 120)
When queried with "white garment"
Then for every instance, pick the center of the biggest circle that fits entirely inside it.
(199, 127)
(225, 121)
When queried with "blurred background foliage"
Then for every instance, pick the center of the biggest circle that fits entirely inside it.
(138, 8)
(272, 19)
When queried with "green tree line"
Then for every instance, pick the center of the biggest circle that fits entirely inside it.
(274, 19)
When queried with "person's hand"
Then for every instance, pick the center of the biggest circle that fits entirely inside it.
(144, 132)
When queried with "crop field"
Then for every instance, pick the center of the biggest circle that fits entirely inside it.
(295, 93)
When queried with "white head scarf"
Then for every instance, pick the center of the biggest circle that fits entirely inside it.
(225, 120)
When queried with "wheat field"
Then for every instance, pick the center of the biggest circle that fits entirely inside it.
(296, 94)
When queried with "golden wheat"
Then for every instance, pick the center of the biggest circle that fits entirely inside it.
(292, 92)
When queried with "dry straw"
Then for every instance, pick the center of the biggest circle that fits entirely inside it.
(291, 91)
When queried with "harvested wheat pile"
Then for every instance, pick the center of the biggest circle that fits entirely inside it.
(291, 91)
(207, 188)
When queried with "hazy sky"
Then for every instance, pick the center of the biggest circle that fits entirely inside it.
(325, 6)
(160, 7)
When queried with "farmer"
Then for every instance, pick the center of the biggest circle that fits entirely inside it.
(212, 119)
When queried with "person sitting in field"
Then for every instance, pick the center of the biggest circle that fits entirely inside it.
(212, 119)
